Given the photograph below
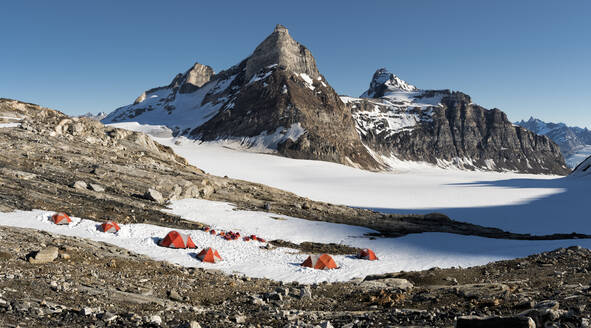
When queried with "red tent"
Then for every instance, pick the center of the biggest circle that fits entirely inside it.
(175, 239)
(61, 218)
(209, 255)
(320, 262)
(110, 226)
(367, 254)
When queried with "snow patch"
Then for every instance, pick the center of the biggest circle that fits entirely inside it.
(308, 80)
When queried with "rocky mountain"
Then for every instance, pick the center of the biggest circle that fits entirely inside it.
(574, 142)
(97, 117)
(398, 121)
(275, 99)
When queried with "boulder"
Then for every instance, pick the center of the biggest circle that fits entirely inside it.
(154, 195)
(80, 185)
(46, 255)
(96, 187)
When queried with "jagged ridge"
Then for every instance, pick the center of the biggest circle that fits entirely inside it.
(445, 128)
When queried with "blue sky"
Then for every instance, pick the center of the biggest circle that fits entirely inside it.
(524, 57)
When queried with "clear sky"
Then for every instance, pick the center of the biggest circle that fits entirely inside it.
(524, 57)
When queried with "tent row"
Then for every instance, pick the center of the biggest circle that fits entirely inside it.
(175, 239)
(62, 218)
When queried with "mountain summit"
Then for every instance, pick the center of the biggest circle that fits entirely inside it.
(274, 100)
(397, 121)
(281, 49)
(384, 82)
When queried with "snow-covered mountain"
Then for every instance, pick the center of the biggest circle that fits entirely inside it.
(397, 121)
(574, 142)
(97, 117)
(276, 100)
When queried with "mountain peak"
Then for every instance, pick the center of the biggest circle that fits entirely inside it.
(280, 28)
(384, 81)
(279, 48)
(196, 77)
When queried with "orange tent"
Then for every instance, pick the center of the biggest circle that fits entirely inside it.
(321, 262)
(209, 255)
(367, 254)
(61, 218)
(175, 239)
(110, 226)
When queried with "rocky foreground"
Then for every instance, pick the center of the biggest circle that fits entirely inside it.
(53, 162)
(81, 283)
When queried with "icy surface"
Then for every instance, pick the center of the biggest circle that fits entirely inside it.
(525, 203)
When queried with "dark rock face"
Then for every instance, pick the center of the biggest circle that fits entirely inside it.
(445, 128)
(275, 99)
(308, 120)
(574, 142)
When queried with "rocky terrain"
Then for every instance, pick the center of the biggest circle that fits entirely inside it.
(276, 100)
(398, 121)
(59, 163)
(54, 162)
(574, 142)
(88, 284)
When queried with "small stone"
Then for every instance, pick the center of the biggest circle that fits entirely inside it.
(108, 316)
(156, 319)
(96, 187)
(154, 195)
(65, 256)
(87, 311)
(80, 185)
(174, 295)
(46, 255)
(194, 324)
(240, 319)
(326, 324)
(547, 304)
(306, 292)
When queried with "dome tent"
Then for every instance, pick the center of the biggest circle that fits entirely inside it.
(110, 226)
(209, 255)
(320, 262)
(61, 218)
(367, 254)
(175, 239)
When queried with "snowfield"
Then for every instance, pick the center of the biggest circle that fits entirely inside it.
(514, 202)
(414, 252)
(523, 203)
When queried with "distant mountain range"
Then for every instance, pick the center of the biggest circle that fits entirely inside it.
(277, 100)
(574, 142)
(99, 116)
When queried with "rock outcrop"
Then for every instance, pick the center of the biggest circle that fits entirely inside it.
(400, 122)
